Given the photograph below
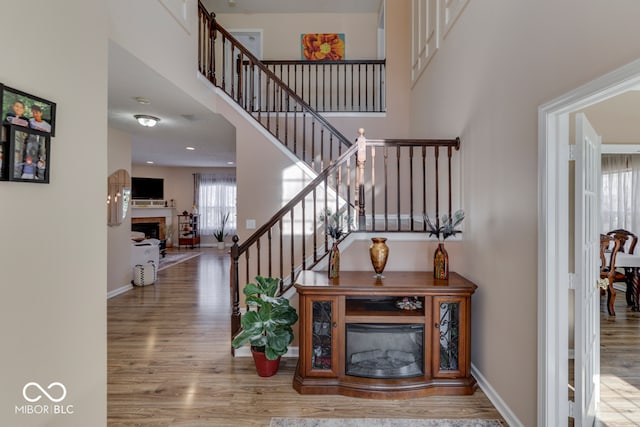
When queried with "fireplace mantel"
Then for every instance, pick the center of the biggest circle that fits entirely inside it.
(152, 214)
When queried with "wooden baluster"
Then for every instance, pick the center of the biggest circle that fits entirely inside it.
(361, 158)
(277, 108)
(449, 153)
(322, 148)
(212, 55)
(239, 79)
(315, 226)
(366, 87)
(436, 154)
(411, 187)
(313, 143)
(269, 240)
(348, 189)
(398, 187)
(330, 88)
(359, 88)
(373, 188)
(258, 256)
(281, 248)
(293, 251)
(304, 235)
(386, 189)
(424, 187)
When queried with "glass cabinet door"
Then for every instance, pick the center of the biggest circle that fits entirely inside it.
(450, 337)
(322, 351)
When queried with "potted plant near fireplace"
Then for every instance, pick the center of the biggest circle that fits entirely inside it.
(220, 234)
(267, 328)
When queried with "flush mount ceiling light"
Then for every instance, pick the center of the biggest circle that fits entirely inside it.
(141, 100)
(148, 121)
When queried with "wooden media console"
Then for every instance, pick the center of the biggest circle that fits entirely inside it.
(357, 340)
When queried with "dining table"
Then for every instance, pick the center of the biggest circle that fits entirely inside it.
(631, 265)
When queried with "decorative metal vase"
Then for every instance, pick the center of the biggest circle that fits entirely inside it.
(334, 261)
(379, 252)
(441, 262)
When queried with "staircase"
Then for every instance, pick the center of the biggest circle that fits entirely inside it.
(377, 185)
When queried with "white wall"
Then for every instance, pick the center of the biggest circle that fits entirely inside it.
(54, 254)
(281, 36)
(119, 236)
(501, 60)
(149, 31)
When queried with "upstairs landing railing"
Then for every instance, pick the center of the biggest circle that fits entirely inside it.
(333, 86)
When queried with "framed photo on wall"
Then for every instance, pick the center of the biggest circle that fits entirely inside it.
(29, 155)
(4, 153)
(26, 110)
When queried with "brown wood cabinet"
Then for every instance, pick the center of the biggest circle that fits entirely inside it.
(356, 341)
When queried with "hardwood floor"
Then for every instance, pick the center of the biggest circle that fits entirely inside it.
(619, 366)
(169, 363)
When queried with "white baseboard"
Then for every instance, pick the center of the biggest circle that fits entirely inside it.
(119, 291)
(495, 398)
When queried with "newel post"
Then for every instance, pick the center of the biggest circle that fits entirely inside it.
(361, 159)
(235, 289)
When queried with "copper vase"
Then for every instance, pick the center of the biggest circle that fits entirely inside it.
(379, 252)
(441, 263)
(334, 261)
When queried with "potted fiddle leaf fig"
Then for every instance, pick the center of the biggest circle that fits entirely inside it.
(267, 328)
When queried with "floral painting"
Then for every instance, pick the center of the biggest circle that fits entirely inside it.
(322, 47)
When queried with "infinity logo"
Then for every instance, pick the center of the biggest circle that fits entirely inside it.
(43, 391)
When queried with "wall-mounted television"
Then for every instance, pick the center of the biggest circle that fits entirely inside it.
(147, 188)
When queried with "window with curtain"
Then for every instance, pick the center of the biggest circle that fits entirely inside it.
(620, 192)
(215, 195)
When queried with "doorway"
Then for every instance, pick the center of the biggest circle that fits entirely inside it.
(553, 257)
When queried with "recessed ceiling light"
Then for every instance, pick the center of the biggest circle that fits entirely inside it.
(147, 121)
(149, 162)
(229, 163)
(189, 148)
(141, 100)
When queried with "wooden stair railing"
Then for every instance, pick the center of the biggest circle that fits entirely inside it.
(400, 175)
(294, 239)
(262, 94)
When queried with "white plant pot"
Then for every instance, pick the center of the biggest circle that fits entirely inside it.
(220, 245)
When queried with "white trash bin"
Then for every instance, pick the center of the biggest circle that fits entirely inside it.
(145, 274)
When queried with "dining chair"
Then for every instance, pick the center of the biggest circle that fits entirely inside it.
(628, 235)
(628, 246)
(609, 271)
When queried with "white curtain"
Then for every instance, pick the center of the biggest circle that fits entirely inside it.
(215, 195)
(621, 192)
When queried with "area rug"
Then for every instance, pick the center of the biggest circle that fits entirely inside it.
(173, 258)
(379, 422)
